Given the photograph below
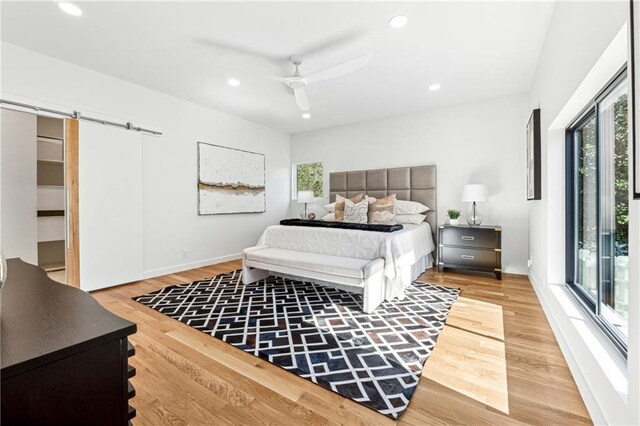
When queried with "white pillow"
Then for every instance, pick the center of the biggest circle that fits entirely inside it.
(331, 217)
(356, 212)
(331, 207)
(410, 207)
(410, 219)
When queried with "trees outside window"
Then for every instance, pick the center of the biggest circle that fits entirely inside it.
(598, 208)
(308, 177)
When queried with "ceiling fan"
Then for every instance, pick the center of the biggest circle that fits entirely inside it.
(298, 82)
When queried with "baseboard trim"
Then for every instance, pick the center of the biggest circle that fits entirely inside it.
(590, 401)
(192, 265)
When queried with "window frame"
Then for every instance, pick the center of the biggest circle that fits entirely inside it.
(586, 300)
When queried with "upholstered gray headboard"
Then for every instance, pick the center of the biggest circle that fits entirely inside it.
(416, 183)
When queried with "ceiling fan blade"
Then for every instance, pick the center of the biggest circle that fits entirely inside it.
(340, 69)
(301, 99)
(280, 79)
(271, 77)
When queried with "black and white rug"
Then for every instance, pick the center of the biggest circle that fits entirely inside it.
(319, 333)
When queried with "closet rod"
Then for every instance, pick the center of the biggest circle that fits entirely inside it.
(79, 116)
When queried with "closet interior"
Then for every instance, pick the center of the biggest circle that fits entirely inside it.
(51, 196)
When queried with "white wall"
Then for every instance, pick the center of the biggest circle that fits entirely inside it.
(19, 186)
(480, 142)
(579, 34)
(169, 163)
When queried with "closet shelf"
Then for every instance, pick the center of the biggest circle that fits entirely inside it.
(46, 160)
(54, 266)
(49, 139)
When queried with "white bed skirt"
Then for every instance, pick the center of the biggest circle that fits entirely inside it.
(424, 263)
(407, 275)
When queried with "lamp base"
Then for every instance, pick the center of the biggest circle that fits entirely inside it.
(303, 213)
(475, 220)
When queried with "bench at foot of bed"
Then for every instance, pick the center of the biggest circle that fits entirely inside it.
(357, 275)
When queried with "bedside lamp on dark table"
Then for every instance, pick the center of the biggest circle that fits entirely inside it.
(472, 246)
(474, 193)
(305, 197)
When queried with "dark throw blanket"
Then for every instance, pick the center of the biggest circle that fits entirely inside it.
(341, 225)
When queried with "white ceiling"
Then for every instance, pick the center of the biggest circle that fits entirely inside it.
(475, 50)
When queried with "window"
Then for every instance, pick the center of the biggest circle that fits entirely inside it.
(307, 177)
(598, 209)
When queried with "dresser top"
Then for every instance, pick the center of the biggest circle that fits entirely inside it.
(494, 227)
(43, 321)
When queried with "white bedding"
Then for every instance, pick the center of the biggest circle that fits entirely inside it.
(400, 250)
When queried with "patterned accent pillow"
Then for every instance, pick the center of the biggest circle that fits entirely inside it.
(339, 212)
(356, 212)
(383, 210)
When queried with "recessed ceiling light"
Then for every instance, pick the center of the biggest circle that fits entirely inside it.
(434, 87)
(233, 82)
(69, 8)
(306, 116)
(398, 21)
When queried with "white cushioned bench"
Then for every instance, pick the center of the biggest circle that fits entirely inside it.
(361, 276)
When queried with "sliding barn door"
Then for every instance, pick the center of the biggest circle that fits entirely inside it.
(110, 206)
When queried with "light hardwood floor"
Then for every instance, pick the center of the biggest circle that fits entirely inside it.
(496, 362)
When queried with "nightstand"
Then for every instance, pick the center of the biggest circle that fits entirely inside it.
(470, 247)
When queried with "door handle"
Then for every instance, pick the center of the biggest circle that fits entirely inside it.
(467, 257)
(468, 238)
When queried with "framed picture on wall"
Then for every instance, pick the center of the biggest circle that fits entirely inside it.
(635, 91)
(534, 180)
(230, 180)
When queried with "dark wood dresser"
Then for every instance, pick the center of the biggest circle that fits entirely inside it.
(470, 247)
(64, 356)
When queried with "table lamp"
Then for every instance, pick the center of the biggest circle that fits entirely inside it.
(305, 197)
(474, 193)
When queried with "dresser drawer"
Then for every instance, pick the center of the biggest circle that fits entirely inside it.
(469, 257)
(470, 237)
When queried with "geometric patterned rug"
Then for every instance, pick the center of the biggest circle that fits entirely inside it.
(319, 333)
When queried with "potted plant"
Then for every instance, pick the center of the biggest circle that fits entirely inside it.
(453, 216)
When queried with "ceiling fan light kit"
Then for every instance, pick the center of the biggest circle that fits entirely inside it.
(398, 21)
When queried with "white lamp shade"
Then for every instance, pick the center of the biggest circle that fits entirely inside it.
(474, 192)
(305, 197)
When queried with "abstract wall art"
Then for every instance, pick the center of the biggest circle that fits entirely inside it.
(230, 180)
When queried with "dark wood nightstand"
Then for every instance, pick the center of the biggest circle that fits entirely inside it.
(470, 247)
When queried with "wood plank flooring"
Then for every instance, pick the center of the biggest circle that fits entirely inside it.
(496, 362)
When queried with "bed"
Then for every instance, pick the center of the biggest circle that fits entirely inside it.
(405, 254)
